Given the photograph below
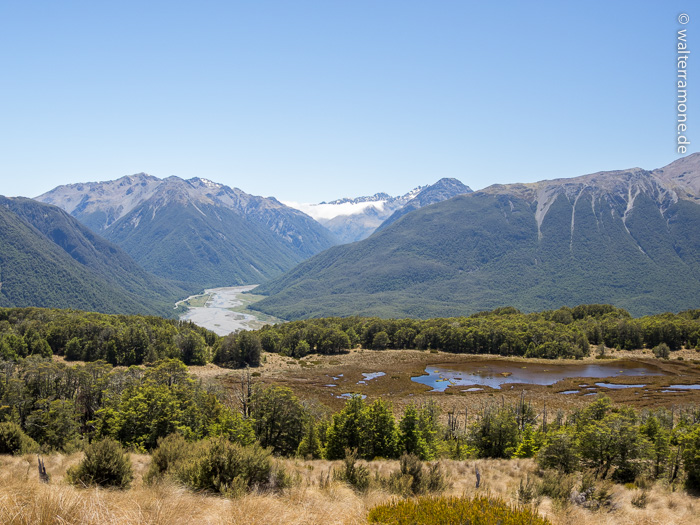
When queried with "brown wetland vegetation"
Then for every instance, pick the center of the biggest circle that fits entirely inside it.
(310, 376)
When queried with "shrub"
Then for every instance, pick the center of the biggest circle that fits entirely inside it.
(310, 445)
(662, 351)
(691, 459)
(556, 485)
(527, 491)
(410, 465)
(353, 474)
(172, 451)
(414, 478)
(434, 511)
(104, 464)
(592, 494)
(640, 499)
(14, 441)
(217, 465)
(434, 479)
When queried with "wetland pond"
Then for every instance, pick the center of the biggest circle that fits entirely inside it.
(494, 373)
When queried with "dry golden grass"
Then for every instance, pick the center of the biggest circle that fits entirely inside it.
(24, 500)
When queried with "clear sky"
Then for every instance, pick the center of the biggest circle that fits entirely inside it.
(317, 100)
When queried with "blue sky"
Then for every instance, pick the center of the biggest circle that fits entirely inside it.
(316, 100)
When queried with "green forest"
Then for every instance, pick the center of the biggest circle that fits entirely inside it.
(132, 340)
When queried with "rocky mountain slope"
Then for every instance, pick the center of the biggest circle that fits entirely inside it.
(440, 191)
(630, 238)
(195, 230)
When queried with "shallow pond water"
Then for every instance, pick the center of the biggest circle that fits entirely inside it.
(348, 395)
(369, 376)
(617, 386)
(494, 373)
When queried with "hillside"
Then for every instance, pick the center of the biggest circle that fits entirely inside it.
(49, 259)
(195, 230)
(629, 238)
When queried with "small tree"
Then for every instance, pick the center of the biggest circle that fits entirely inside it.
(559, 452)
(411, 437)
(346, 428)
(662, 351)
(310, 446)
(278, 418)
(495, 435)
(380, 436)
(104, 464)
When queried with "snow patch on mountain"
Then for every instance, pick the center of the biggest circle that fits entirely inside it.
(329, 211)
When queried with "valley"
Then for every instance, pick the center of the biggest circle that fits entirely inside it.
(223, 310)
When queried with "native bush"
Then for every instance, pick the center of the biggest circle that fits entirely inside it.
(413, 477)
(357, 476)
(662, 351)
(556, 485)
(219, 466)
(168, 457)
(104, 464)
(14, 441)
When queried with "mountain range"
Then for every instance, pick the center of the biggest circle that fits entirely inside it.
(195, 230)
(209, 234)
(352, 220)
(628, 237)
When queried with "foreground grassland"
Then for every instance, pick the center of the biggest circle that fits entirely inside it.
(25, 500)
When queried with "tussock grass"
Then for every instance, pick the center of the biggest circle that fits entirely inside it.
(316, 498)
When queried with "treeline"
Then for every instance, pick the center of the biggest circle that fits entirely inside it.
(132, 340)
(117, 339)
(566, 332)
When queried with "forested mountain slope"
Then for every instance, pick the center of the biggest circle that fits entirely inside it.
(630, 238)
(47, 258)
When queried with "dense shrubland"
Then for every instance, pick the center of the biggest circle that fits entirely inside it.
(61, 406)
